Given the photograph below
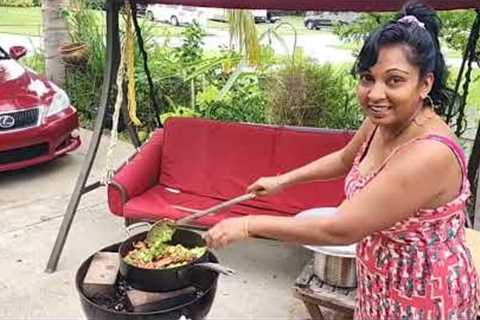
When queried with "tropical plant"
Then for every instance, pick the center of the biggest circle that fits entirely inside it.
(243, 35)
(245, 100)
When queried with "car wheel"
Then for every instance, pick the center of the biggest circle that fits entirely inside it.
(174, 21)
(150, 15)
(310, 25)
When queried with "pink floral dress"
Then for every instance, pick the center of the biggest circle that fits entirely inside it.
(420, 268)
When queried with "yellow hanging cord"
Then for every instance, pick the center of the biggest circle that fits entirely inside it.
(130, 62)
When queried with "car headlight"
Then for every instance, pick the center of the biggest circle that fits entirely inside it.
(59, 103)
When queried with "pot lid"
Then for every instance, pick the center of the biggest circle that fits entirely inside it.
(348, 251)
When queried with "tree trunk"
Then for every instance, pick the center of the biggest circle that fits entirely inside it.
(55, 34)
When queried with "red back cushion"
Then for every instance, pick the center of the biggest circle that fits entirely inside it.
(220, 159)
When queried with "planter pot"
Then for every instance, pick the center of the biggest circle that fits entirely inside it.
(74, 53)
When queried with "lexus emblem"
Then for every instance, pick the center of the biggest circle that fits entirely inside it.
(7, 121)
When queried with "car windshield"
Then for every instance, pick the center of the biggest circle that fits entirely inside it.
(3, 54)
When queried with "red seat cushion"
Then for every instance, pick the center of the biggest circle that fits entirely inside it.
(158, 203)
(219, 160)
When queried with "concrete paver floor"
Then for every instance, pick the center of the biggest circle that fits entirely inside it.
(32, 204)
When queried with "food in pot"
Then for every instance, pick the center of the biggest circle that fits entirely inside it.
(158, 254)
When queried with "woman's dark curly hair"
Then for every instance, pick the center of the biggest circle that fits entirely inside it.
(422, 40)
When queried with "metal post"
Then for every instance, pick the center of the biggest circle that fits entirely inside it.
(111, 66)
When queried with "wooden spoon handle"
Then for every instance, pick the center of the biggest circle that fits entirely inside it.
(216, 208)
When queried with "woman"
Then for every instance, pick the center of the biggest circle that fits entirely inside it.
(406, 185)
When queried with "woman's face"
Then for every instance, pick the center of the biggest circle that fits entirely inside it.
(392, 90)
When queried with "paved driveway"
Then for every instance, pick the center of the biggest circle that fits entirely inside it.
(32, 203)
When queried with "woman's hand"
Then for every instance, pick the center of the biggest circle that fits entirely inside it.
(226, 232)
(267, 186)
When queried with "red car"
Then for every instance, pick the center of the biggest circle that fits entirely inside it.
(37, 121)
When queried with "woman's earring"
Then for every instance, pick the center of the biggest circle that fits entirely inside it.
(429, 100)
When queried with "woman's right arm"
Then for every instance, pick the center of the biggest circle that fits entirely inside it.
(331, 166)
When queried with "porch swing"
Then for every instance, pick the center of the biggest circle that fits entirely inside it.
(135, 190)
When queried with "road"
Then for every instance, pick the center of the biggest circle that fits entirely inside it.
(323, 47)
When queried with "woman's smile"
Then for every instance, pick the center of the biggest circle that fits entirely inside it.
(378, 111)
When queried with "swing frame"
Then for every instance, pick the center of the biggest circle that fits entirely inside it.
(113, 59)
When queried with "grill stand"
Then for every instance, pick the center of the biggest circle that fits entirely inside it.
(315, 294)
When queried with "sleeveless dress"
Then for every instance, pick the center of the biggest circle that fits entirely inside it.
(420, 268)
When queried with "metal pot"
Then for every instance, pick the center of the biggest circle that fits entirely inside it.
(155, 280)
(334, 265)
(334, 270)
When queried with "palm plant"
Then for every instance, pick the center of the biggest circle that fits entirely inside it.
(243, 35)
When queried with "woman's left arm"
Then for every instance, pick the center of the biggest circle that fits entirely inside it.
(410, 181)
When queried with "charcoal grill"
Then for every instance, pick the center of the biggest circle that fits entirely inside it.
(196, 308)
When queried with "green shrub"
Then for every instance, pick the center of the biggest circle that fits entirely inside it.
(308, 94)
(95, 4)
(245, 101)
(36, 62)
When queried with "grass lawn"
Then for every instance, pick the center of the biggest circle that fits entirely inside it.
(24, 21)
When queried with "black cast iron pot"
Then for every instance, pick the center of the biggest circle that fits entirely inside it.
(155, 280)
(195, 309)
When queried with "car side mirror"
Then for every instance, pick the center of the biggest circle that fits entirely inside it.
(16, 52)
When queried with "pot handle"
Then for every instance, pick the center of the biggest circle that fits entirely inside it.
(137, 225)
(215, 267)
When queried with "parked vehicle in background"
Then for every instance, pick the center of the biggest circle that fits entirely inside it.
(219, 14)
(141, 9)
(100, 5)
(328, 19)
(316, 22)
(176, 14)
(37, 121)
(179, 14)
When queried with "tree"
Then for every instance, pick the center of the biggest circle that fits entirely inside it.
(55, 34)
(455, 26)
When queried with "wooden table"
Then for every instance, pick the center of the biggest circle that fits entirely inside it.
(315, 294)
